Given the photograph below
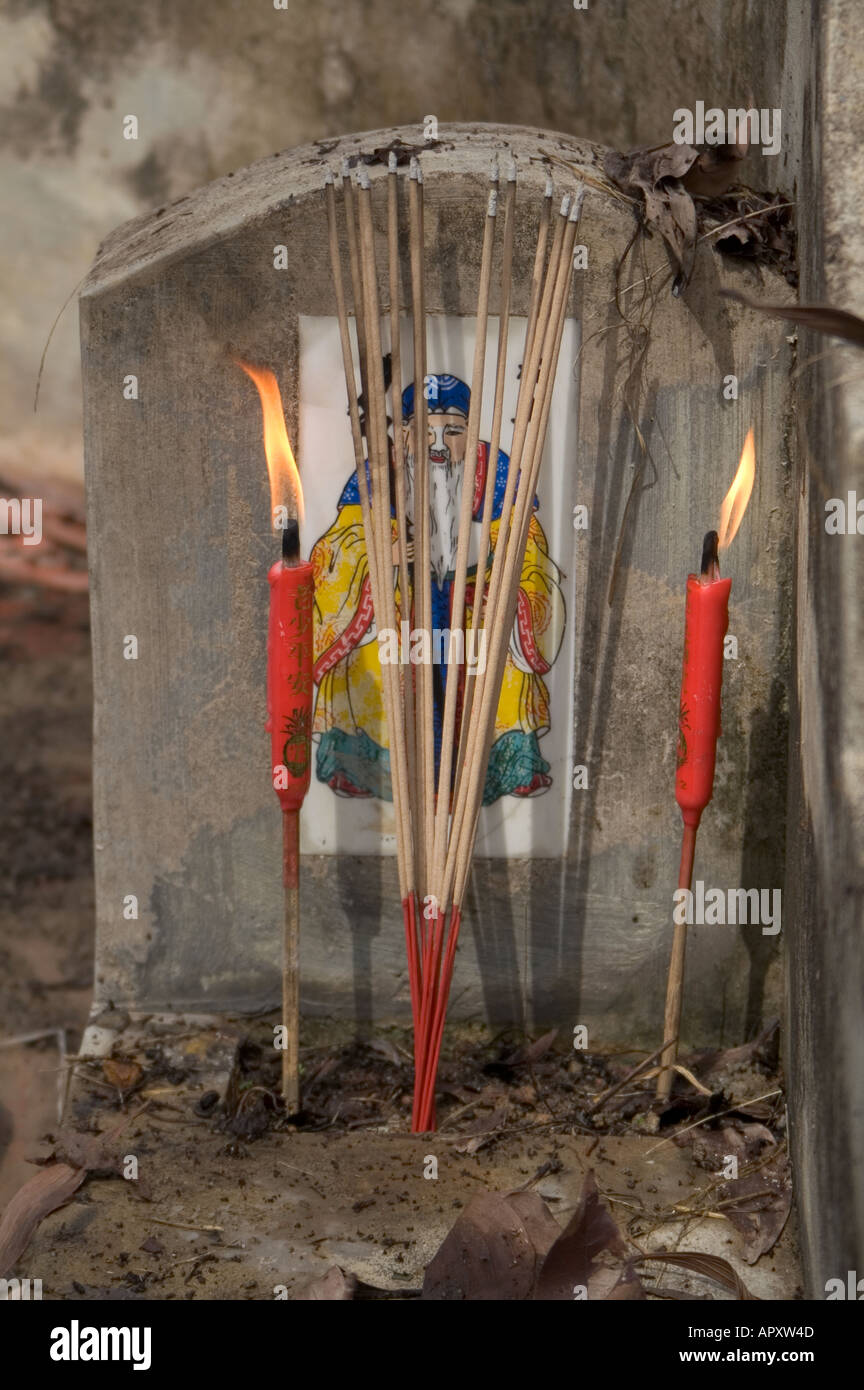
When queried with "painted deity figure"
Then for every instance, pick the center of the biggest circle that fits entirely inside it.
(350, 725)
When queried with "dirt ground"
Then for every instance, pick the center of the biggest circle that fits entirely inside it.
(210, 1193)
(46, 875)
(231, 1202)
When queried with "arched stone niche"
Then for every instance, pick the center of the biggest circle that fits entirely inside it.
(573, 926)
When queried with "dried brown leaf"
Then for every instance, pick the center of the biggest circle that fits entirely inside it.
(711, 1147)
(494, 1250)
(590, 1253)
(761, 1203)
(122, 1075)
(657, 174)
(40, 1195)
(710, 1266)
(94, 1153)
(533, 1051)
(822, 318)
(715, 171)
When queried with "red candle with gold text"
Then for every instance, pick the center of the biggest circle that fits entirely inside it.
(292, 593)
(706, 620)
(289, 670)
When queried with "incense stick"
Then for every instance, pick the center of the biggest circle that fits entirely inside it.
(466, 814)
(460, 569)
(543, 355)
(379, 565)
(348, 363)
(492, 462)
(432, 957)
(498, 402)
(515, 553)
(381, 536)
(406, 681)
(500, 566)
(373, 561)
(407, 685)
(424, 701)
(354, 265)
(539, 261)
(436, 826)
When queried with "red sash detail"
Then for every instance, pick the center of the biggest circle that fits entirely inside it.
(349, 639)
(526, 636)
(480, 477)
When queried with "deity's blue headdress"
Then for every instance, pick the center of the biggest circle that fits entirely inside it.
(443, 392)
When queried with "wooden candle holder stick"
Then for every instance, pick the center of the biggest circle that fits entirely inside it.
(291, 961)
(675, 980)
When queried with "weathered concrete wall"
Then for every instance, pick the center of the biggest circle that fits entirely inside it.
(825, 885)
(217, 86)
(179, 545)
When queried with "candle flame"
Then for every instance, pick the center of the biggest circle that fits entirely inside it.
(281, 466)
(736, 499)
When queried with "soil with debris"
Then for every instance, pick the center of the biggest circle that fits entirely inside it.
(46, 868)
(229, 1198)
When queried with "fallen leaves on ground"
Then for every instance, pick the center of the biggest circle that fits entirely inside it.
(508, 1246)
(758, 1205)
(40, 1195)
(71, 1158)
(734, 1139)
(95, 1154)
(531, 1052)
(590, 1255)
(494, 1251)
(712, 1267)
(252, 1091)
(124, 1076)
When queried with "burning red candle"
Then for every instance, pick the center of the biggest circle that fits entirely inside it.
(292, 593)
(289, 670)
(705, 622)
(289, 699)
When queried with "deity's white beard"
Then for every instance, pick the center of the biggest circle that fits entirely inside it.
(445, 496)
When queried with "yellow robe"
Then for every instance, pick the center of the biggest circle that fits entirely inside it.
(349, 720)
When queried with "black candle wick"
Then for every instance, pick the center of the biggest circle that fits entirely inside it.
(291, 541)
(710, 553)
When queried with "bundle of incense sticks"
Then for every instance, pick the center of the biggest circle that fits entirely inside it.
(436, 818)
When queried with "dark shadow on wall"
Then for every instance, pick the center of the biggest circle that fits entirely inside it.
(363, 895)
(763, 861)
(621, 475)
